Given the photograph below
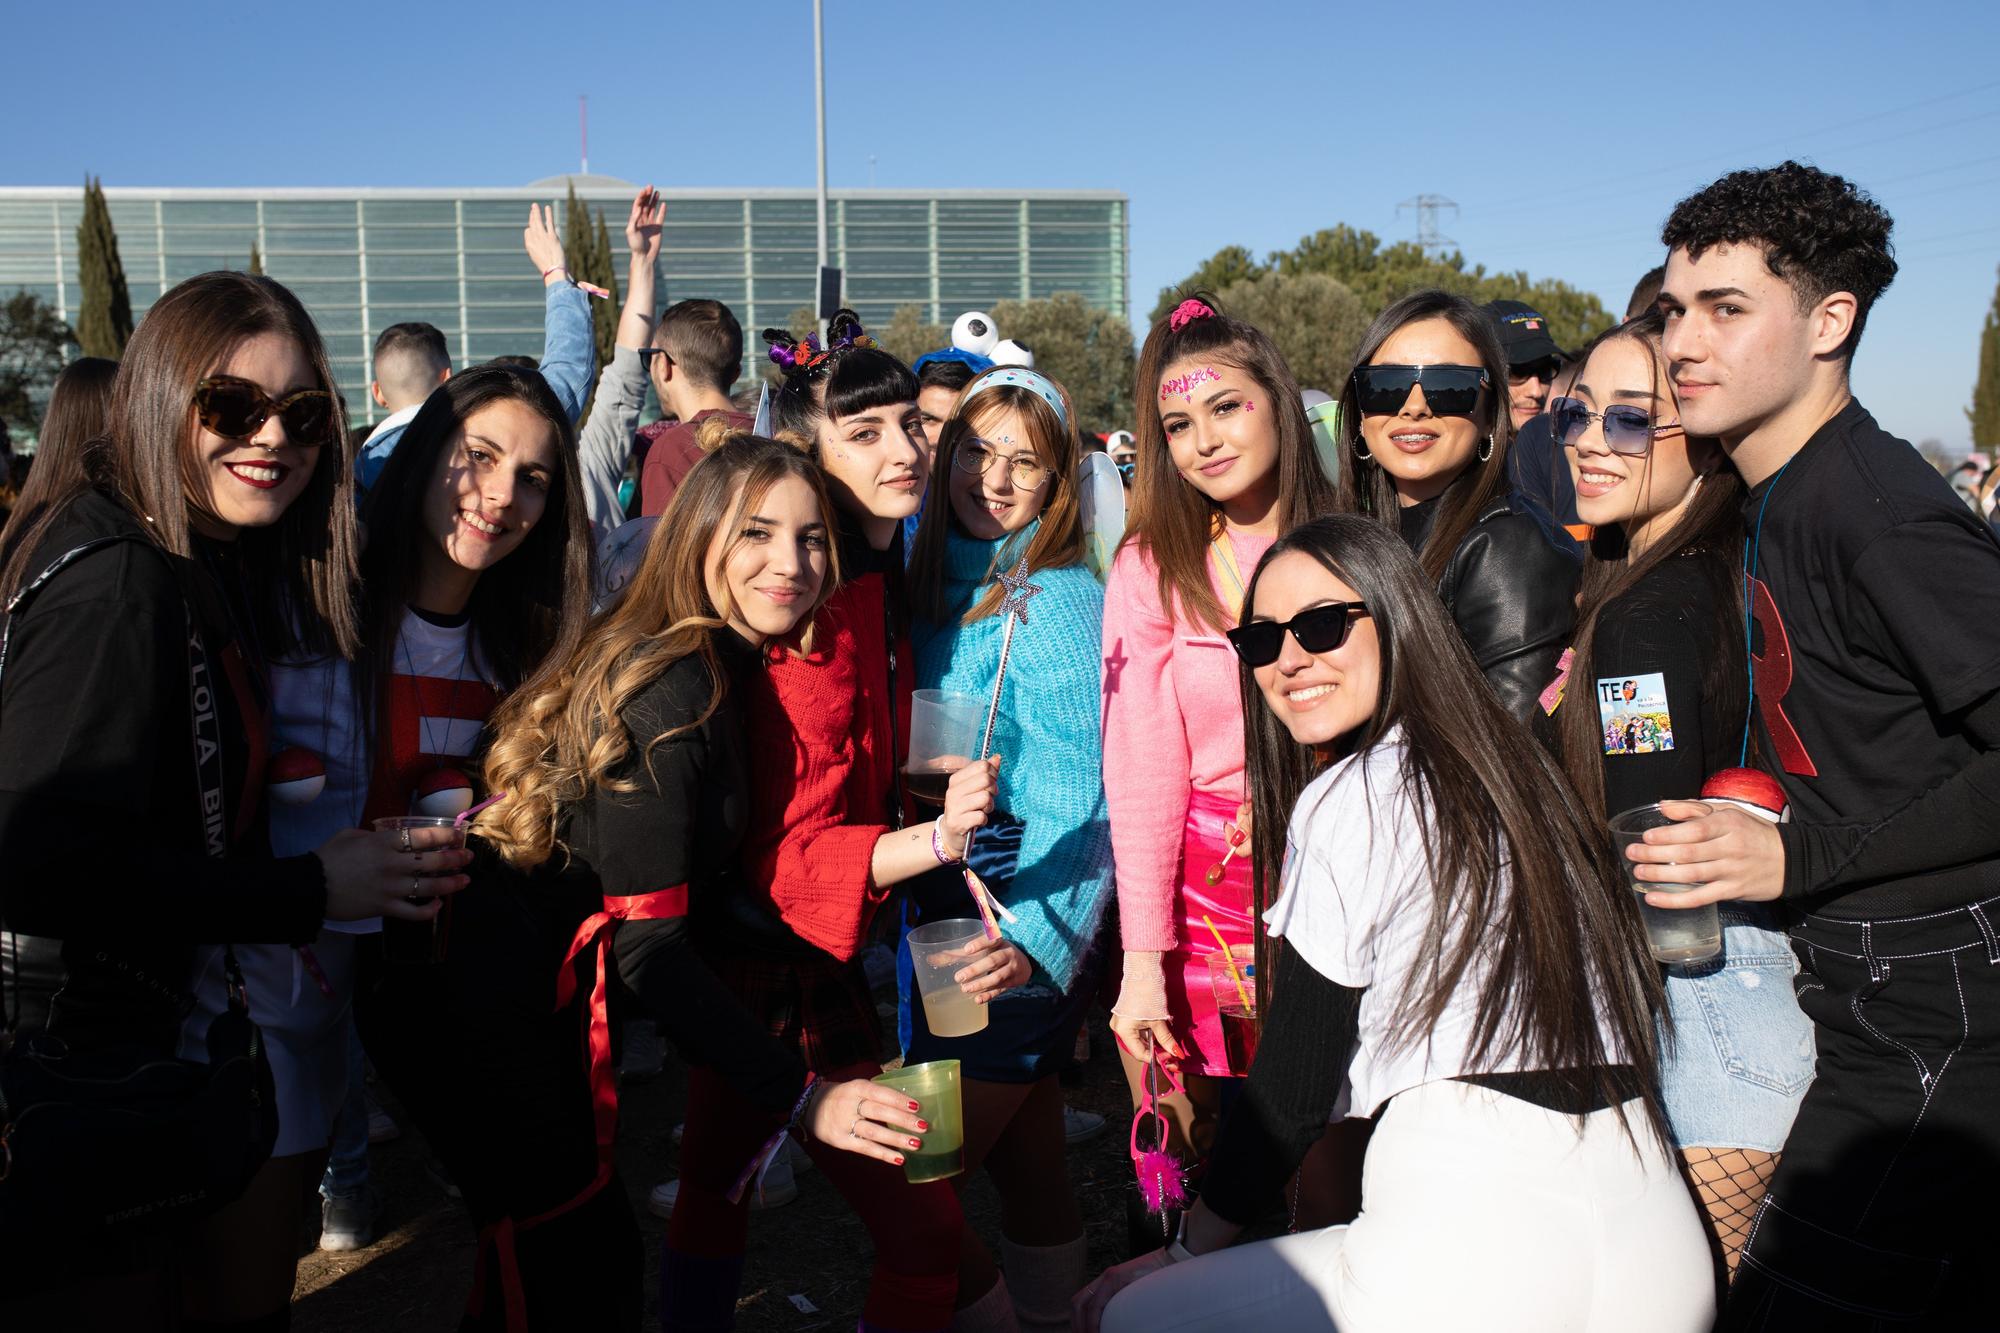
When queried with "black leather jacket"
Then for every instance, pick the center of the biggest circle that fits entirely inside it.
(1512, 595)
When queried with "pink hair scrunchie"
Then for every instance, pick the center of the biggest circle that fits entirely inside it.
(1187, 312)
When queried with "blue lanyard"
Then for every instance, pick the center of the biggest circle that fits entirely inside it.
(1751, 547)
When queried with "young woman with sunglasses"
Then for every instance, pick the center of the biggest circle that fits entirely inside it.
(825, 843)
(211, 534)
(1454, 959)
(1225, 465)
(1007, 468)
(1660, 606)
(1426, 430)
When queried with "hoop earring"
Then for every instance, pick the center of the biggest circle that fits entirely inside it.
(1486, 449)
(1363, 459)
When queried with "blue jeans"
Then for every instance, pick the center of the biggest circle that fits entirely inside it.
(1741, 1052)
(347, 1163)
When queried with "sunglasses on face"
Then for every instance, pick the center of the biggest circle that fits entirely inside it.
(978, 457)
(1543, 370)
(1318, 629)
(1450, 391)
(646, 355)
(237, 409)
(1627, 429)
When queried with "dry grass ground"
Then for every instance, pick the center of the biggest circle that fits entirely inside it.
(415, 1277)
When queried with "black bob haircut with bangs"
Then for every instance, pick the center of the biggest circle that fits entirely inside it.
(853, 377)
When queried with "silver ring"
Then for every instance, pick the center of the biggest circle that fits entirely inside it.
(854, 1130)
(406, 840)
(416, 885)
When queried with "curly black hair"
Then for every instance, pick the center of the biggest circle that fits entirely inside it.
(1818, 231)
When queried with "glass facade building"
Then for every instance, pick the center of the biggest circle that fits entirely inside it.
(364, 259)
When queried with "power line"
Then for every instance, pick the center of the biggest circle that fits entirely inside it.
(1427, 207)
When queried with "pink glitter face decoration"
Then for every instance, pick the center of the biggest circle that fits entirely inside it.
(1249, 406)
(1183, 386)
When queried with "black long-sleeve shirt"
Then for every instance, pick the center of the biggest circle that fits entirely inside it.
(681, 827)
(102, 839)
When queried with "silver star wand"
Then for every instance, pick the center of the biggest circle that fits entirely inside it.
(1014, 610)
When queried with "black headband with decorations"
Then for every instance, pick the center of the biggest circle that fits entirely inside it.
(792, 355)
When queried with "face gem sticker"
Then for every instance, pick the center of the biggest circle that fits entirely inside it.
(1183, 386)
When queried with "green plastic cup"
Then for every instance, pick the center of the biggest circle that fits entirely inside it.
(934, 1086)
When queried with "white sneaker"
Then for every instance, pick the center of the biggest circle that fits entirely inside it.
(775, 1188)
(347, 1222)
(800, 1160)
(1080, 1126)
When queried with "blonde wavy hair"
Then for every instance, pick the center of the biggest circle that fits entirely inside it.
(561, 734)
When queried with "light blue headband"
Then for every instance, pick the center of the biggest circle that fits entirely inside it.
(1021, 378)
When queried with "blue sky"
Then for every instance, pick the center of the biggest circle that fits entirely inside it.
(1564, 135)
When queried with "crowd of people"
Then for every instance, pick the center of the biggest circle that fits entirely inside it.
(469, 746)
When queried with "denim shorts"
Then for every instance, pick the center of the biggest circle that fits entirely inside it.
(1740, 1056)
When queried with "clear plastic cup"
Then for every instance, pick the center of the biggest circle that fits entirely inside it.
(937, 951)
(944, 736)
(1236, 1007)
(1677, 934)
(421, 941)
(934, 1087)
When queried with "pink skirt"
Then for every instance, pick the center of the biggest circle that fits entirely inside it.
(1190, 996)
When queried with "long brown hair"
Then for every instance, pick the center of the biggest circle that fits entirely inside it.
(1172, 521)
(1366, 489)
(1527, 901)
(558, 737)
(300, 599)
(533, 604)
(1711, 531)
(1059, 539)
(79, 411)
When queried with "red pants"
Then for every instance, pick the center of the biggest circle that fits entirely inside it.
(916, 1229)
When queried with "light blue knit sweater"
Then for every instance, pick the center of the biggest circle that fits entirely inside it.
(1049, 734)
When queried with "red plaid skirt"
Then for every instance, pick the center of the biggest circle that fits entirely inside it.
(819, 1006)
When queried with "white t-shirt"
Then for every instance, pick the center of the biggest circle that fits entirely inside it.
(1355, 902)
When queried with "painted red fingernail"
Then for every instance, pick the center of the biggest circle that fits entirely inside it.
(899, 1159)
(916, 1143)
(915, 1107)
(924, 1126)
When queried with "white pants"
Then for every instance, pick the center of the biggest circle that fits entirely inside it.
(1479, 1211)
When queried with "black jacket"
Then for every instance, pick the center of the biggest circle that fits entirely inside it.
(1512, 595)
(101, 829)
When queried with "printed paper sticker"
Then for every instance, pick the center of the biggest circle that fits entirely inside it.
(1634, 712)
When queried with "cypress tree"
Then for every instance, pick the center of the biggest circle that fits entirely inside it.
(256, 260)
(105, 319)
(604, 313)
(1984, 414)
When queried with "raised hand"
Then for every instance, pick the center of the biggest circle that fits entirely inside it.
(643, 225)
(544, 246)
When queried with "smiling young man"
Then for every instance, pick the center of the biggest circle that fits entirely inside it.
(1875, 634)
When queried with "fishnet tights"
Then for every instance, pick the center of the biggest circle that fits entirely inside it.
(1729, 1183)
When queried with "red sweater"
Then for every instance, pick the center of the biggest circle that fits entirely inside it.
(814, 822)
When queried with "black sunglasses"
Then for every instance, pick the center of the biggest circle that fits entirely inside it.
(1318, 629)
(646, 355)
(236, 409)
(1627, 429)
(1543, 370)
(1449, 391)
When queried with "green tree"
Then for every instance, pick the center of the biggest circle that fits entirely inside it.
(256, 260)
(1378, 275)
(1314, 319)
(34, 344)
(1089, 351)
(1984, 414)
(1225, 268)
(105, 320)
(908, 335)
(587, 252)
